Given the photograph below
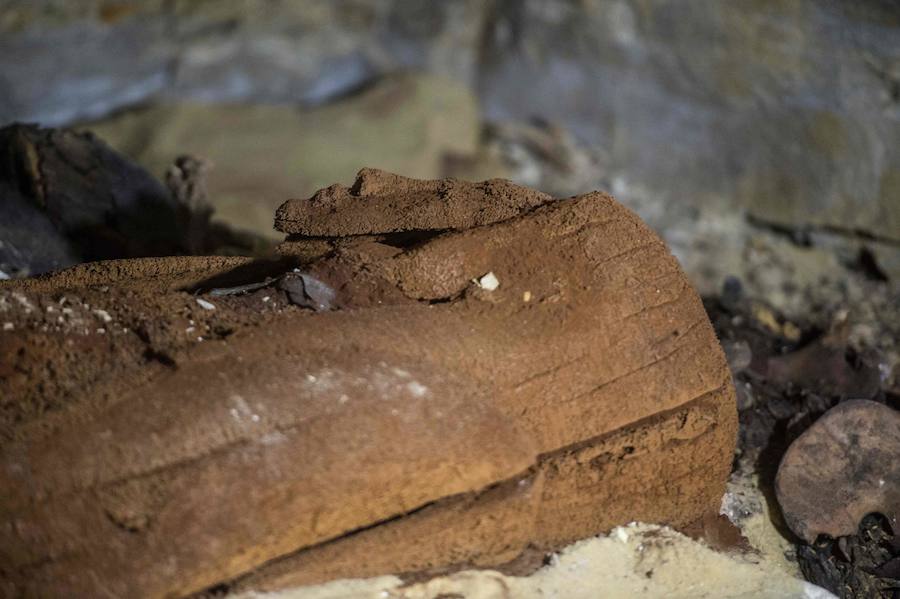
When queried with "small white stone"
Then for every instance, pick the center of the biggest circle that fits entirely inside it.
(273, 438)
(4, 276)
(189, 330)
(102, 315)
(205, 304)
(489, 282)
(343, 399)
(526, 297)
(417, 389)
(267, 298)
(8, 326)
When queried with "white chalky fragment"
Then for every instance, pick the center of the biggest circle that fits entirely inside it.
(8, 326)
(417, 389)
(489, 282)
(205, 304)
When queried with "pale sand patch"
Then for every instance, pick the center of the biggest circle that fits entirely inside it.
(637, 560)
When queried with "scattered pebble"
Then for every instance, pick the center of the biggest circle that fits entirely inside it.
(738, 354)
(8, 326)
(488, 282)
(103, 315)
(526, 297)
(205, 304)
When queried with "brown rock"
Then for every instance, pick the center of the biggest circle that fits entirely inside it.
(423, 424)
(843, 467)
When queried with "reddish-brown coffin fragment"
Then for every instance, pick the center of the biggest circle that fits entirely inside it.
(426, 423)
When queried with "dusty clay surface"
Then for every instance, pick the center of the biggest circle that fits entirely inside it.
(163, 433)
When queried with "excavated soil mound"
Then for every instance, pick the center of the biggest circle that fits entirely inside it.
(436, 375)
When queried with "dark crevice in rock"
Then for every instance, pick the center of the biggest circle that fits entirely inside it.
(800, 235)
(406, 240)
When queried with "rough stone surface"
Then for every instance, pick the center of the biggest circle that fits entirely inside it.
(718, 102)
(424, 423)
(261, 155)
(67, 196)
(786, 110)
(95, 56)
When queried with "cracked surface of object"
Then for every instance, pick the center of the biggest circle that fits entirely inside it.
(424, 424)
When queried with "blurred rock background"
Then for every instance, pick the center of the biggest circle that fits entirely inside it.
(762, 139)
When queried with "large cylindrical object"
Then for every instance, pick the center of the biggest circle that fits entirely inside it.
(478, 369)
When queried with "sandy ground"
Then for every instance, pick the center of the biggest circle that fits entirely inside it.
(634, 560)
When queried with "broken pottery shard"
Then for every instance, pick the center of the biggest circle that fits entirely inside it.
(308, 292)
(420, 424)
(845, 466)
